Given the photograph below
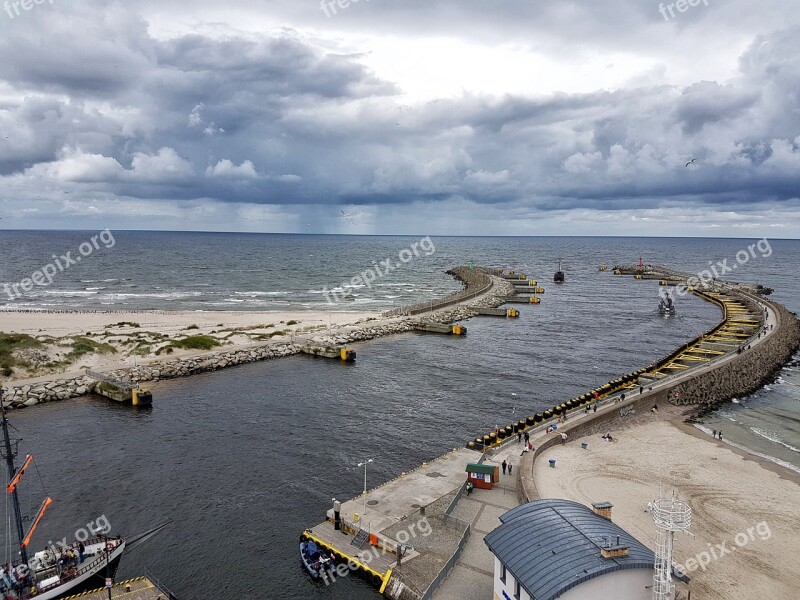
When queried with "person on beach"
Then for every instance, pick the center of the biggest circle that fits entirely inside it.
(641, 390)
(563, 438)
(719, 433)
(510, 466)
(504, 465)
(714, 434)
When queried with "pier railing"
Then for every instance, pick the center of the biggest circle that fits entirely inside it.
(449, 564)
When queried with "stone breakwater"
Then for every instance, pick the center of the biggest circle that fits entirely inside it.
(492, 291)
(32, 394)
(747, 373)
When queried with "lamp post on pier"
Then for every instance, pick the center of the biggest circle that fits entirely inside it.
(364, 464)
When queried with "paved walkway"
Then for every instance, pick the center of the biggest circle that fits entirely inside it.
(472, 577)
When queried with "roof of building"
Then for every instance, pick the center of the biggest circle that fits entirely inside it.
(551, 546)
(476, 468)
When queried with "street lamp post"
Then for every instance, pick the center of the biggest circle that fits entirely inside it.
(364, 464)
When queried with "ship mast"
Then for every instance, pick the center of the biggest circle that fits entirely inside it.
(12, 471)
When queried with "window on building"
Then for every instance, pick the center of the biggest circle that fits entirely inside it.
(502, 572)
(516, 590)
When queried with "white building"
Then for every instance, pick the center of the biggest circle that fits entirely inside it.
(550, 549)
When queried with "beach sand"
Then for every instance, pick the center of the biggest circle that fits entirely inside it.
(729, 495)
(233, 329)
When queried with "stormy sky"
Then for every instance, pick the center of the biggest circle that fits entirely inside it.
(463, 117)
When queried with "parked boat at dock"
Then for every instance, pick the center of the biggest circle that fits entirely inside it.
(58, 571)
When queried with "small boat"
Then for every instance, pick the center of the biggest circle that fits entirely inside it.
(666, 306)
(315, 560)
(559, 276)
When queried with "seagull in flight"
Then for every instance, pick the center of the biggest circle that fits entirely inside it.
(348, 218)
(690, 162)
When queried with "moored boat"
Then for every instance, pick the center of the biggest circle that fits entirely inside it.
(559, 275)
(58, 571)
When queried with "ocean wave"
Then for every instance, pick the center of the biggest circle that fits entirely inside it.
(69, 293)
(255, 294)
(773, 437)
(164, 295)
(770, 458)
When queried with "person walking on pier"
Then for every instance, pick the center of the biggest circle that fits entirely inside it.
(504, 467)
(641, 390)
(519, 437)
(510, 466)
(527, 437)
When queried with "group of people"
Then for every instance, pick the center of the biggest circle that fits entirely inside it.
(607, 437)
(717, 435)
(507, 467)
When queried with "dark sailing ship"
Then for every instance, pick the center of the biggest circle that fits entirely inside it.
(559, 276)
(58, 571)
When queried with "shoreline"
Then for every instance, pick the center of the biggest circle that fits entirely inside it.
(729, 490)
(197, 342)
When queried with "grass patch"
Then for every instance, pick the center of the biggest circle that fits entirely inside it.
(192, 326)
(10, 342)
(124, 324)
(292, 322)
(82, 346)
(193, 342)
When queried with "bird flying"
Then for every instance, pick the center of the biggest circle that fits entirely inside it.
(690, 162)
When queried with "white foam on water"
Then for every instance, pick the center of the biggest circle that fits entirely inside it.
(773, 437)
(772, 459)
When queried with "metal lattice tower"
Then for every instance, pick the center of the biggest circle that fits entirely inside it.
(670, 515)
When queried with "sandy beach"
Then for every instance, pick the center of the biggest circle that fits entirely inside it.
(144, 333)
(739, 503)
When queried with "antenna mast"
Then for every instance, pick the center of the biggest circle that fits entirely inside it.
(12, 471)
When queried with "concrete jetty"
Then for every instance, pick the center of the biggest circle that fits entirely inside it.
(140, 588)
(339, 352)
(439, 328)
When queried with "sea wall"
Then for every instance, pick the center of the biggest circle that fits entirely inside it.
(746, 373)
(33, 394)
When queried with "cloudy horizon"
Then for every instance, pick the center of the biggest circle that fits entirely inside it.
(389, 117)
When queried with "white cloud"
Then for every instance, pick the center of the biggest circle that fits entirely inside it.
(226, 168)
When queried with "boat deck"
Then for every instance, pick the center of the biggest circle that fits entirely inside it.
(140, 588)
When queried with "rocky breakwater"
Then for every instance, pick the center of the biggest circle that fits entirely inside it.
(30, 394)
(745, 374)
(482, 288)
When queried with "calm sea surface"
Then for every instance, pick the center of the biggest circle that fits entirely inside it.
(244, 459)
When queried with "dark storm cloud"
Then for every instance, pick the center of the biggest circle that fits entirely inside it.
(93, 103)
